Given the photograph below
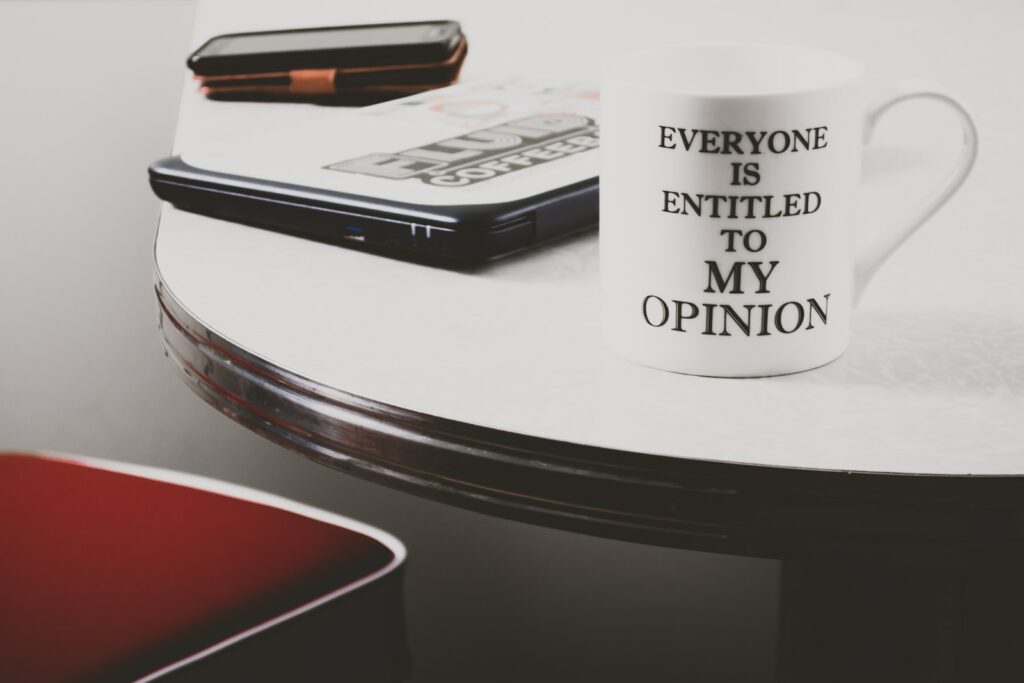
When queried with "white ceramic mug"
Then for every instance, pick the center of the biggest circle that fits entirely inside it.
(728, 186)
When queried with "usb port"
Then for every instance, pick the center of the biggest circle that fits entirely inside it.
(354, 232)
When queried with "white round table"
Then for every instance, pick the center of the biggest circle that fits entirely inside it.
(490, 387)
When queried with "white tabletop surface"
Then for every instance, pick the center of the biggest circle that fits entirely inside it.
(932, 383)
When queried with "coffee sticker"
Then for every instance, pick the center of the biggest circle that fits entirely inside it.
(483, 154)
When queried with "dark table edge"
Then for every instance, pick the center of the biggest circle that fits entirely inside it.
(701, 504)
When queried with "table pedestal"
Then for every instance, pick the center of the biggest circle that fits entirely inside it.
(903, 621)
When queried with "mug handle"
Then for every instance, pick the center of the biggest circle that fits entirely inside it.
(871, 259)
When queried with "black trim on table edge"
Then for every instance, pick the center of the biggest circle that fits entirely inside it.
(701, 504)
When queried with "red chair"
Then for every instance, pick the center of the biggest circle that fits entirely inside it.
(114, 572)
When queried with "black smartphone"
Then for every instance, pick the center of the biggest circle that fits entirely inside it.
(313, 48)
(459, 175)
